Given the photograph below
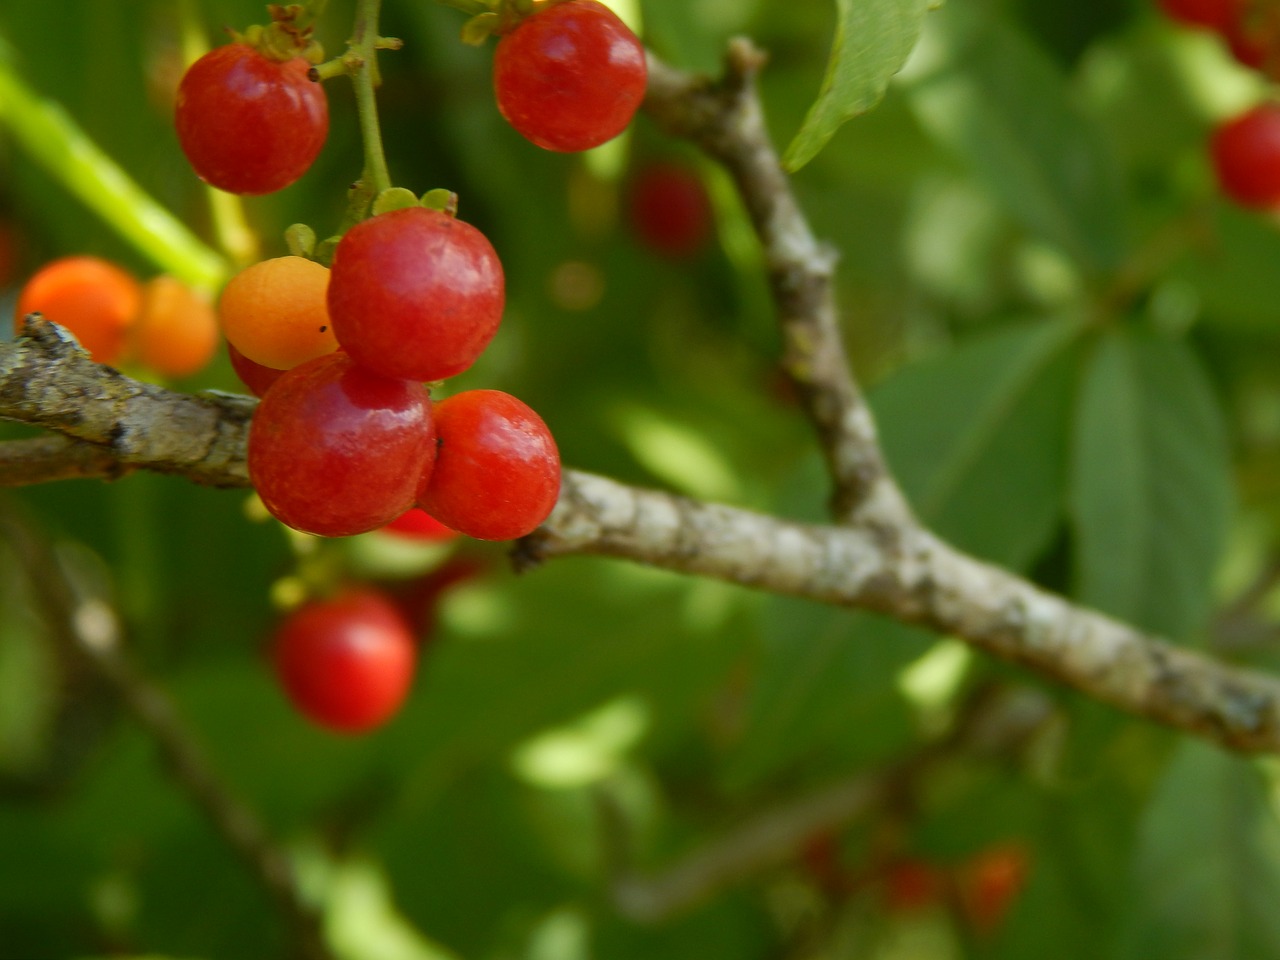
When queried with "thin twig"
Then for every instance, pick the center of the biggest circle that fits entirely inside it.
(86, 630)
(992, 723)
(724, 118)
(879, 558)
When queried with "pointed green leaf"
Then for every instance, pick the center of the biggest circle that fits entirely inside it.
(978, 436)
(1208, 864)
(872, 41)
(1150, 483)
(823, 672)
(1005, 108)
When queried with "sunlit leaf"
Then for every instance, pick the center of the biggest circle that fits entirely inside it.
(871, 43)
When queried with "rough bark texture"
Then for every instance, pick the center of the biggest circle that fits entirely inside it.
(875, 556)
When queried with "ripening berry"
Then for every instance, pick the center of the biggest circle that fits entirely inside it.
(96, 300)
(247, 123)
(570, 76)
(1246, 157)
(176, 333)
(275, 312)
(346, 663)
(415, 293)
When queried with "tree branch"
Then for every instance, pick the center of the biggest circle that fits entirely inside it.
(47, 379)
(725, 120)
(879, 559)
(87, 632)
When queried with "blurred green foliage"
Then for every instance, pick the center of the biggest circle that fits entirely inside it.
(1070, 342)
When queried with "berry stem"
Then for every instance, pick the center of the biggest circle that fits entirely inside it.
(362, 62)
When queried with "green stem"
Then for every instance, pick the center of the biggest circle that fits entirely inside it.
(54, 140)
(363, 57)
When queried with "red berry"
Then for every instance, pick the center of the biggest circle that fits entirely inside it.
(1246, 157)
(415, 293)
(497, 472)
(1206, 14)
(669, 210)
(1253, 37)
(247, 123)
(335, 450)
(346, 663)
(570, 76)
(251, 373)
(417, 524)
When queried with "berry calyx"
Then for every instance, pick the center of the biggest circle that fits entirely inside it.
(335, 450)
(247, 123)
(415, 293)
(94, 299)
(570, 76)
(346, 663)
(275, 312)
(1246, 157)
(497, 471)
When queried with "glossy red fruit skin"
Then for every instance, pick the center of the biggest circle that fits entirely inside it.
(1246, 157)
(1203, 14)
(497, 472)
(669, 210)
(253, 375)
(417, 524)
(335, 450)
(415, 293)
(248, 124)
(346, 663)
(570, 76)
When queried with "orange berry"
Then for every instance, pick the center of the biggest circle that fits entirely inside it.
(275, 314)
(94, 299)
(991, 881)
(176, 333)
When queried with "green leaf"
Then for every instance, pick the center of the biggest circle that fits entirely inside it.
(1208, 864)
(822, 674)
(872, 41)
(977, 437)
(1005, 108)
(1150, 483)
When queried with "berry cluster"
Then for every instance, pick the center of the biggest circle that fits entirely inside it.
(347, 438)
(1245, 149)
(162, 325)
